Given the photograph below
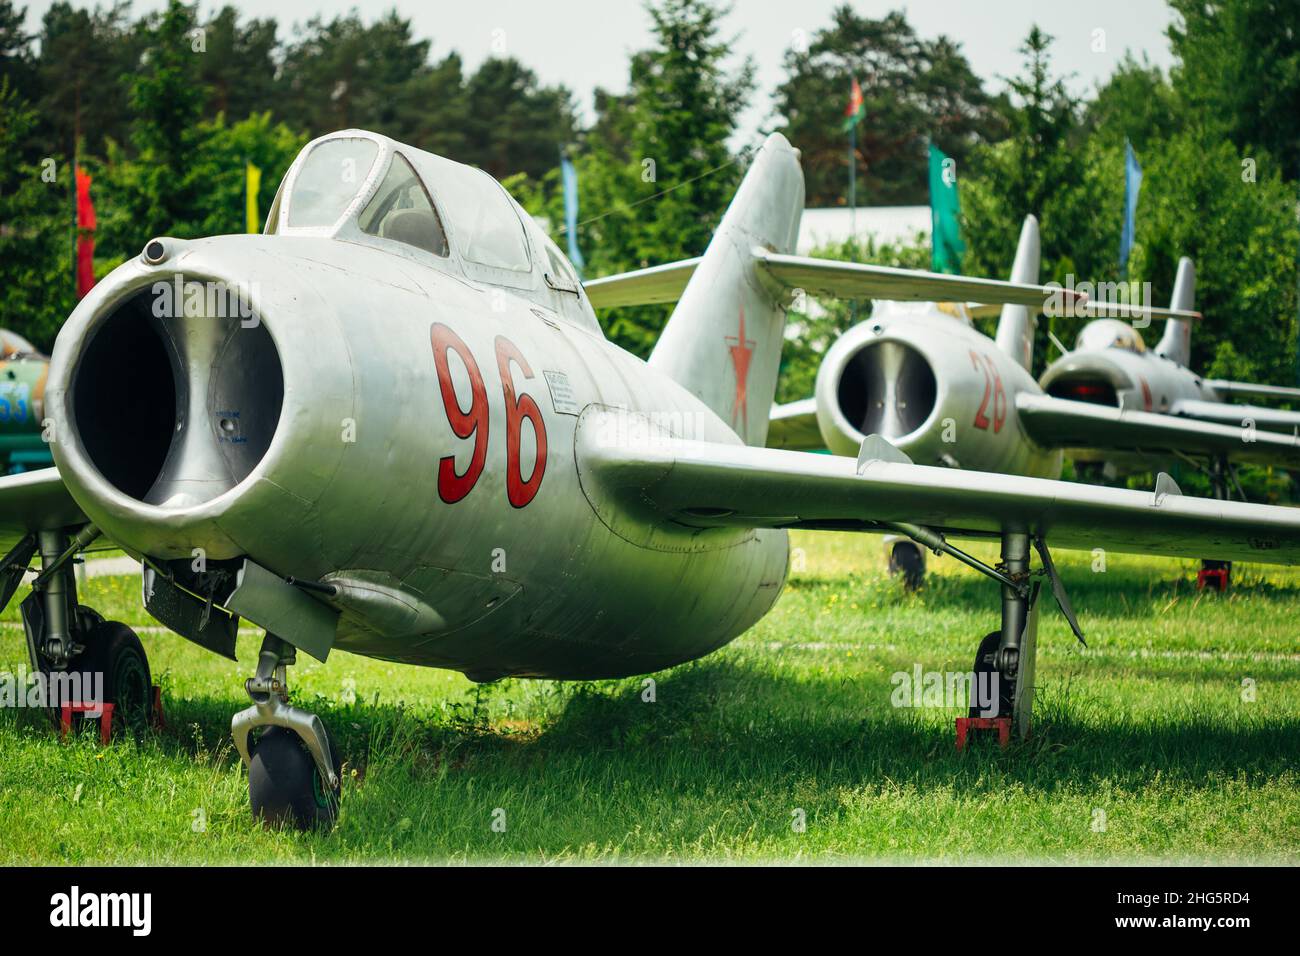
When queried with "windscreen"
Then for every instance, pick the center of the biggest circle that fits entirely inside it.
(329, 179)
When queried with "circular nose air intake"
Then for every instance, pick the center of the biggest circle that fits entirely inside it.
(886, 388)
(174, 409)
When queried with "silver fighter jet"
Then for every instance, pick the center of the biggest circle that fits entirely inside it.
(1112, 368)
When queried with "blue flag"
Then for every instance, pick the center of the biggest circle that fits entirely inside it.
(570, 177)
(1132, 185)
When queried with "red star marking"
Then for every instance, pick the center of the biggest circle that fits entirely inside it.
(741, 352)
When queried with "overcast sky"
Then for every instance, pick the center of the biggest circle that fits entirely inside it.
(584, 44)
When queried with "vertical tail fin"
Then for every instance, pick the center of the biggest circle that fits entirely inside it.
(1015, 334)
(1176, 343)
(723, 341)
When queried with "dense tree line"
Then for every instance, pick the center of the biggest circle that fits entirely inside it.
(914, 90)
(164, 110)
(1216, 183)
(78, 72)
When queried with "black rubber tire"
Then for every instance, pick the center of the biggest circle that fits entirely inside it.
(113, 649)
(905, 558)
(984, 665)
(285, 787)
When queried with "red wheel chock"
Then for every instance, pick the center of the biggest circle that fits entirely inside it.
(1214, 578)
(1001, 724)
(106, 716)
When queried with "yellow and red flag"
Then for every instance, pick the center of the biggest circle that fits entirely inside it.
(857, 108)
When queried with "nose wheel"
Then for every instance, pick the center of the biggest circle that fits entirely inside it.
(286, 788)
(294, 776)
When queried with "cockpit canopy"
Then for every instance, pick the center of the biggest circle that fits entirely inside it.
(360, 187)
(1109, 334)
(338, 172)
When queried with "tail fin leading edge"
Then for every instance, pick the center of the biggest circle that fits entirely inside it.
(1015, 334)
(723, 341)
(1176, 343)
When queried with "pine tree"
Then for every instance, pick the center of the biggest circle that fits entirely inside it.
(656, 172)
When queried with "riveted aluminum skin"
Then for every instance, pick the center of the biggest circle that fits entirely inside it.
(347, 489)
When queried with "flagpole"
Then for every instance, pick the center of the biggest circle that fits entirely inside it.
(72, 178)
(853, 180)
(853, 187)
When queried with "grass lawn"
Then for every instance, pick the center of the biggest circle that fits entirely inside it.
(1146, 746)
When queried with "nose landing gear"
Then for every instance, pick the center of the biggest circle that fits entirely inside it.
(293, 773)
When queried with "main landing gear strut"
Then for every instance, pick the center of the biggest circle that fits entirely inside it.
(1003, 686)
(82, 660)
(293, 772)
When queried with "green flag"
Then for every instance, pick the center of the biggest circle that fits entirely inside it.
(945, 214)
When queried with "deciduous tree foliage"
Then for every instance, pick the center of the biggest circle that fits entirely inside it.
(1239, 71)
(165, 110)
(1202, 196)
(1198, 201)
(1137, 103)
(1027, 173)
(36, 284)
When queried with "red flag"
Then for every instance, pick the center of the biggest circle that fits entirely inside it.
(85, 235)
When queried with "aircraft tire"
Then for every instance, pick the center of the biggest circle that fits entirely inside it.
(285, 786)
(907, 559)
(984, 665)
(113, 650)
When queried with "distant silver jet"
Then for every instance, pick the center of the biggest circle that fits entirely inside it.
(1112, 368)
(392, 425)
(922, 376)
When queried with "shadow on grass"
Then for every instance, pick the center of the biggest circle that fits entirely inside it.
(740, 724)
(1115, 594)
